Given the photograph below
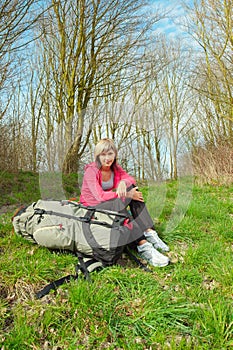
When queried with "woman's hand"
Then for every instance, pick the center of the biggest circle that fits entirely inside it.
(135, 194)
(121, 189)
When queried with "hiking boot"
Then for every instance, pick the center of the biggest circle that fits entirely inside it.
(152, 237)
(150, 254)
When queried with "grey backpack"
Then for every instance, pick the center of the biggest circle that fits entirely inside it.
(96, 236)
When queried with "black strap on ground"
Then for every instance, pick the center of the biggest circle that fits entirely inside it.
(54, 285)
(82, 266)
(138, 262)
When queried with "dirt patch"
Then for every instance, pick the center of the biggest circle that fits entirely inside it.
(8, 208)
(3, 292)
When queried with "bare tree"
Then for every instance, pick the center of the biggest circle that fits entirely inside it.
(16, 19)
(86, 42)
(211, 25)
(166, 109)
(15, 140)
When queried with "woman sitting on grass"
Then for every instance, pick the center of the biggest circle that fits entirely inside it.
(106, 185)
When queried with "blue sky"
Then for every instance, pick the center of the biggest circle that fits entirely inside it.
(175, 16)
(173, 24)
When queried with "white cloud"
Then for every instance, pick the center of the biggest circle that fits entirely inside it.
(173, 26)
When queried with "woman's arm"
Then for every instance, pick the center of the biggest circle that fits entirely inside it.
(122, 175)
(123, 180)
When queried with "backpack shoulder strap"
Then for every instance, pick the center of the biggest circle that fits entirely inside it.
(86, 265)
(54, 285)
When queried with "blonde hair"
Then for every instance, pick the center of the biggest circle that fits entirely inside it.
(104, 145)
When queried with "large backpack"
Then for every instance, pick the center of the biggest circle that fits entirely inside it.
(96, 236)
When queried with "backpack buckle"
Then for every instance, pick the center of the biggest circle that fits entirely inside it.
(39, 212)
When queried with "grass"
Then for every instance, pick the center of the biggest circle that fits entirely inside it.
(186, 305)
(25, 187)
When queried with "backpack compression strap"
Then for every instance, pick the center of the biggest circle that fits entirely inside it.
(88, 218)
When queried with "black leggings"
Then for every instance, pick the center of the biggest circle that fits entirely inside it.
(140, 215)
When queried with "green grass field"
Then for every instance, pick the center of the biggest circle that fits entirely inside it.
(186, 305)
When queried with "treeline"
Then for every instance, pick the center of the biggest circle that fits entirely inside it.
(72, 72)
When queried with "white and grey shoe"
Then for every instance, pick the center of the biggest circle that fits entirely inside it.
(150, 254)
(152, 237)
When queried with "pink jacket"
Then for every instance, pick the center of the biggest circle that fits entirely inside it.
(92, 192)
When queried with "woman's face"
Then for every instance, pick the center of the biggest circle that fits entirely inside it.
(107, 158)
